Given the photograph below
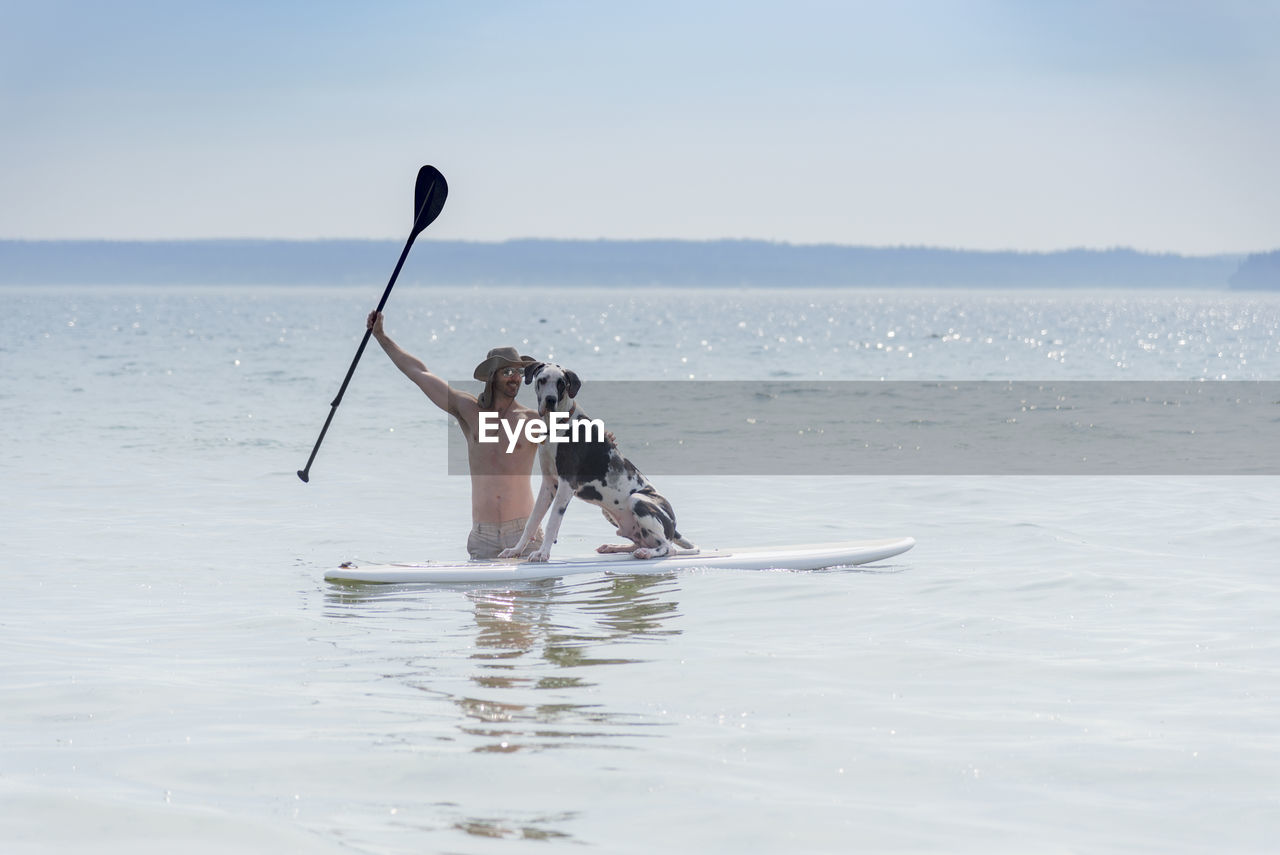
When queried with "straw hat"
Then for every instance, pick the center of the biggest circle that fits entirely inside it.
(499, 357)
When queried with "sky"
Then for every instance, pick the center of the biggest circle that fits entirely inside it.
(990, 124)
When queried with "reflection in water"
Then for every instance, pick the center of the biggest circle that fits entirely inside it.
(528, 637)
(531, 829)
(524, 672)
(528, 643)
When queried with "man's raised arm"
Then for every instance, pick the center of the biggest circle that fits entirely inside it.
(435, 387)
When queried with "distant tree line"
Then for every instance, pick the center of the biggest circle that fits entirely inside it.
(611, 263)
(1261, 270)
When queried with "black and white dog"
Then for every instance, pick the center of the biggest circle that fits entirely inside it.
(593, 470)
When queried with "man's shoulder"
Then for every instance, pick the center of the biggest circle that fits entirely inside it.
(463, 399)
(463, 406)
(522, 410)
(516, 412)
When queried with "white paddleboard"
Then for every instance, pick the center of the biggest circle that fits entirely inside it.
(817, 556)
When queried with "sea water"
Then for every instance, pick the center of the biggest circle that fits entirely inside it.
(1062, 664)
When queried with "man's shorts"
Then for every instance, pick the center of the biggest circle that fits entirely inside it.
(488, 539)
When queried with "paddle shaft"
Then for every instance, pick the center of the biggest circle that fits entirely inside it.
(305, 472)
(429, 192)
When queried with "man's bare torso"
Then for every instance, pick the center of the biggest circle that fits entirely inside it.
(501, 489)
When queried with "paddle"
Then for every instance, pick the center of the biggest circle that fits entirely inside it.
(428, 199)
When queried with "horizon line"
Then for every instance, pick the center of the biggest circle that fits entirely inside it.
(771, 241)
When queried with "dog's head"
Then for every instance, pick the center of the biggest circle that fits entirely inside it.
(553, 386)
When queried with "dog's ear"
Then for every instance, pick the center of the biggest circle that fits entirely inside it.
(531, 369)
(573, 383)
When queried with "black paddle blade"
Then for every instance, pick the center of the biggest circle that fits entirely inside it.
(428, 197)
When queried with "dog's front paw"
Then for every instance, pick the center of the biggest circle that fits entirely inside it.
(540, 555)
(643, 552)
(509, 553)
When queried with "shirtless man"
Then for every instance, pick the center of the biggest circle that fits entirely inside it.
(501, 495)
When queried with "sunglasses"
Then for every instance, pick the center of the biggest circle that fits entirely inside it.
(504, 373)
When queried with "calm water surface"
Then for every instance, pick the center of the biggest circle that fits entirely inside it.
(1070, 664)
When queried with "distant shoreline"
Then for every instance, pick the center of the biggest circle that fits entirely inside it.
(613, 263)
